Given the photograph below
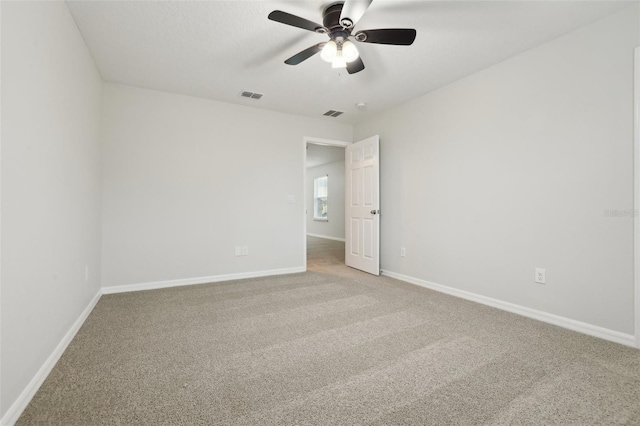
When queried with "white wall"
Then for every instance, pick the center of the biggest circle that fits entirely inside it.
(334, 227)
(513, 168)
(51, 105)
(188, 179)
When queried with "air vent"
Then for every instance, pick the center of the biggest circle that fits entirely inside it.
(332, 113)
(251, 95)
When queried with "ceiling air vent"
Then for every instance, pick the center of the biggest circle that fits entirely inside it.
(332, 113)
(251, 95)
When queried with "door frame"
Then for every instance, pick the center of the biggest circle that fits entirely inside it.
(315, 141)
(636, 194)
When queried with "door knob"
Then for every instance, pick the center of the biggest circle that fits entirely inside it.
(375, 211)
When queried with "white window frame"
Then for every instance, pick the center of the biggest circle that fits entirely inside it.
(316, 197)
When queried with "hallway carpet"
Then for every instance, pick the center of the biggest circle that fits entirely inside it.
(330, 346)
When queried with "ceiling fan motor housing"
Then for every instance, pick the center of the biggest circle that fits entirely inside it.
(331, 17)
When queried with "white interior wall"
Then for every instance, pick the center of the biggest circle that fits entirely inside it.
(188, 179)
(515, 167)
(517, 164)
(334, 227)
(51, 109)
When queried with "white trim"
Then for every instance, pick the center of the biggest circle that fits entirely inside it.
(304, 202)
(1, 422)
(200, 280)
(582, 327)
(321, 141)
(636, 193)
(326, 237)
(27, 394)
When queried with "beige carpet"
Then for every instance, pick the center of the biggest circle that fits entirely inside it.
(330, 346)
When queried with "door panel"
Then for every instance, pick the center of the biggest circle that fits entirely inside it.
(367, 236)
(354, 248)
(355, 184)
(368, 186)
(362, 206)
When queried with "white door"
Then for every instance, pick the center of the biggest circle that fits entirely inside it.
(362, 204)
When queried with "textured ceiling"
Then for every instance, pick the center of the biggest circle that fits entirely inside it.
(215, 49)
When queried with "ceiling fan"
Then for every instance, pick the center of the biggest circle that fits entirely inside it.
(339, 20)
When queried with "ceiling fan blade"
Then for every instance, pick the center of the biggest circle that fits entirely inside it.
(352, 11)
(355, 66)
(304, 55)
(293, 20)
(397, 36)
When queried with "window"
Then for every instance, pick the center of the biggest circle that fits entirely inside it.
(320, 192)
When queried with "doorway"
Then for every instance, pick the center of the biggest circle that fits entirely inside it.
(323, 206)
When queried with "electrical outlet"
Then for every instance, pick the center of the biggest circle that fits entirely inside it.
(245, 251)
(541, 275)
(238, 251)
(403, 252)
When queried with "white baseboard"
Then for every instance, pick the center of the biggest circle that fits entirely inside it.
(582, 327)
(200, 280)
(27, 394)
(326, 237)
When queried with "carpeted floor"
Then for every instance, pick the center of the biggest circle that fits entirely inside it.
(330, 346)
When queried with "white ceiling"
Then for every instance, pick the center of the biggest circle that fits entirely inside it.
(318, 155)
(215, 49)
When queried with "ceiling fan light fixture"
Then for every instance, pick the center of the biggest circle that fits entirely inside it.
(329, 51)
(349, 51)
(338, 20)
(339, 61)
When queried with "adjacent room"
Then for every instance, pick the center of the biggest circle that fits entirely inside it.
(324, 204)
(358, 212)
